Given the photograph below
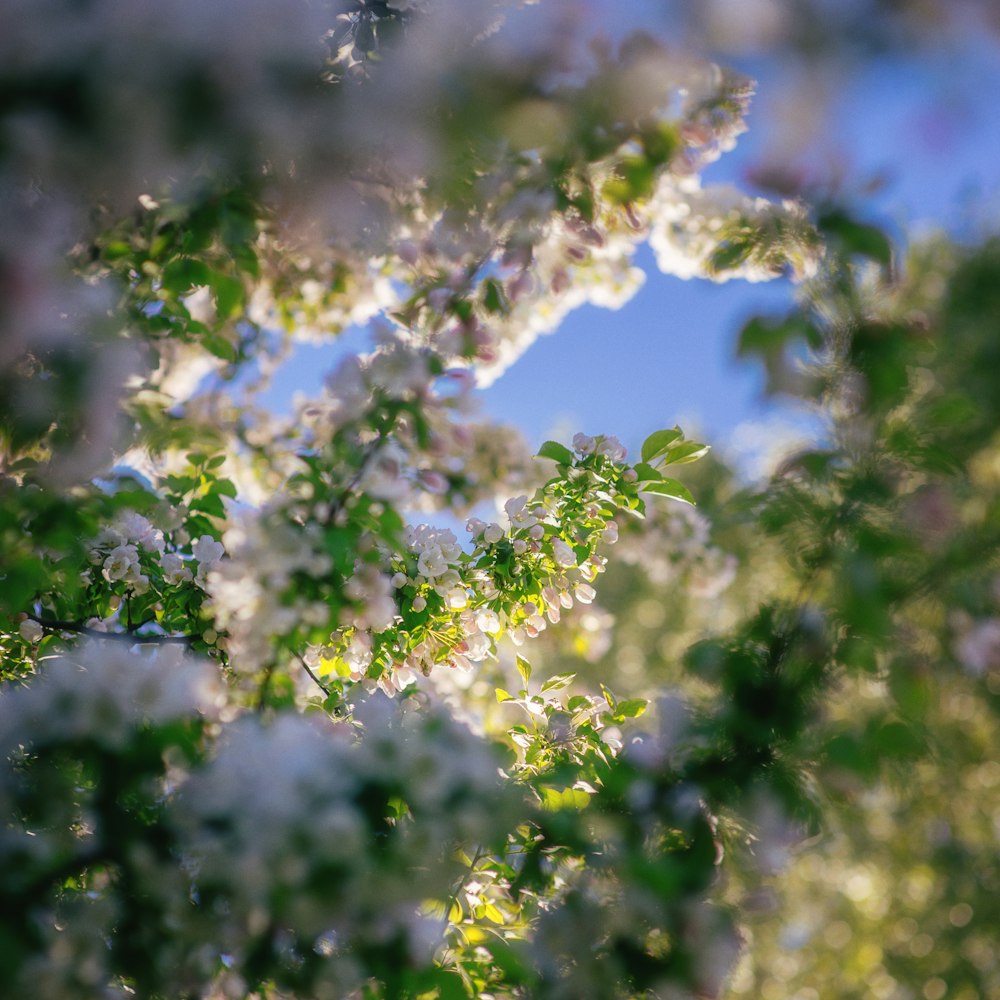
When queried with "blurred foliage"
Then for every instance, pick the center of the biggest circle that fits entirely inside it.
(862, 706)
(773, 748)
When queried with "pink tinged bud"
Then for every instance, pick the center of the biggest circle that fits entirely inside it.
(432, 481)
(492, 534)
(585, 594)
(520, 546)
(521, 285)
(630, 475)
(408, 251)
(462, 378)
(459, 662)
(610, 534)
(536, 532)
(565, 599)
(462, 437)
(553, 614)
(696, 133)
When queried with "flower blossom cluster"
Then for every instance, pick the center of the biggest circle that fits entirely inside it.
(263, 825)
(132, 552)
(247, 589)
(718, 232)
(518, 578)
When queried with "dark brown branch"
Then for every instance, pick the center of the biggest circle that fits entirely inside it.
(130, 636)
(309, 671)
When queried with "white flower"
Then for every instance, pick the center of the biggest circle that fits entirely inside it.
(359, 652)
(562, 553)
(137, 529)
(432, 562)
(122, 562)
(613, 448)
(207, 550)
(488, 621)
(584, 444)
(477, 647)
(519, 517)
(457, 598)
(175, 572)
(30, 630)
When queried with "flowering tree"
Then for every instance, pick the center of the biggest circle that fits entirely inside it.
(265, 733)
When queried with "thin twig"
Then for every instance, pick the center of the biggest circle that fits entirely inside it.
(309, 671)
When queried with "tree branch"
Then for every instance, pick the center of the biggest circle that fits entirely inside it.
(309, 671)
(130, 635)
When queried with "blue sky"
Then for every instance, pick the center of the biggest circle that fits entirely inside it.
(925, 128)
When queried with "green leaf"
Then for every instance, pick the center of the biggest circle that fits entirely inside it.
(670, 488)
(729, 255)
(689, 451)
(612, 700)
(218, 345)
(210, 503)
(558, 681)
(523, 668)
(856, 238)
(224, 487)
(658, 442)
(503, 696)
(557, 452)
(229, 294)
(449, 985)
(554, 800)
(494, 297)
(646, 472)
(632, 708)
(183, 274)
